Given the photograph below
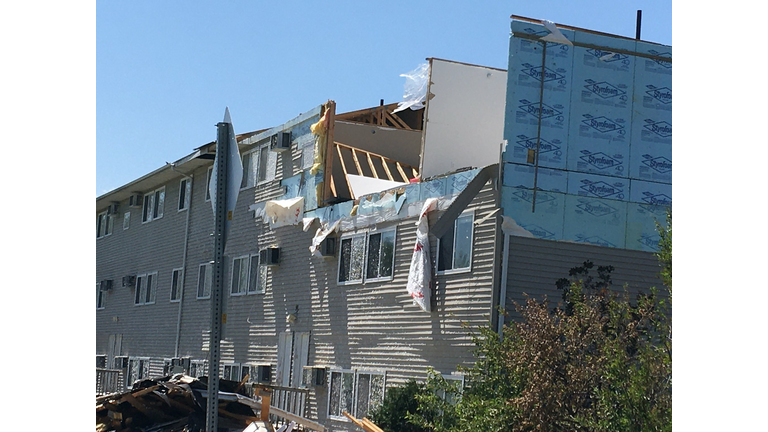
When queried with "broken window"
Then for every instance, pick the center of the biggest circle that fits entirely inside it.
(340, 393)
(356, 392)
(351, 256)
(204, 281)
(381, 255)
(138, 369)
(374, 251)
(454, 249)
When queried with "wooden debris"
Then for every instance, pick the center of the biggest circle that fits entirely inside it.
(367, 425)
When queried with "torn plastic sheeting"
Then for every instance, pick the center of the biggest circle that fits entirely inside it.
(320, 235)
(420, 271)
(389, 215)
(257, 209)
(415, 88)
(362, 186)
(368, 206)
(555, 35)
(510, 227)
(307, 221)
(285, 212)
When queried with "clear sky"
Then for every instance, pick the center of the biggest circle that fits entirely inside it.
(165, 70)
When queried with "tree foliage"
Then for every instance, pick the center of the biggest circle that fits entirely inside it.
(598, 361)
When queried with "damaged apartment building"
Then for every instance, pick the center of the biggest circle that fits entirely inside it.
(521, 175)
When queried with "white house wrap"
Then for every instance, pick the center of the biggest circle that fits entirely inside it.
(420, 273)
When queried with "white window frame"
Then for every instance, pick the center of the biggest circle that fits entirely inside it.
(340, 417)
(208, 278)
(453, 377)
(355, 388)
(467, 214)
(201, 368)
(126, 220)
(185, 185)
(358, 372)
(104, 224)
(179, 282)
(261, 276)
(242, 285)
(231, 366)
(101, 297)
(366, 243)
(151, 208)
(208, 184)
(367, 246)
(143, 366)
(262, 168)
(143, 288)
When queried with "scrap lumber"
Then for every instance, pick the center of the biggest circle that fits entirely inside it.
(364, 423)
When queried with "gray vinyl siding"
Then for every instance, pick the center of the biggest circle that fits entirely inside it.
(371, 326)
(534, 265)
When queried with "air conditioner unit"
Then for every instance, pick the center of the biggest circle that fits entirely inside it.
(263, 374)
(180, 365)
(313, 376)
(328, 247)
(136, 200)
(269, 256)
(129, 281)
(280, 142)
(121, 362)
(105, 285)
(101, 361)
(113, 208)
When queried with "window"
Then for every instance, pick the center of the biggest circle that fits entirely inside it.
(257, 167)
(104, 223)
(185, 190)
(176, 284)
(204, 281)
(357, 392)
(239, 280)
(138, 369)
(374, 251)
(454, 387)
(208, 184)
(257, 276)
(454, 249)
(248, 277)
(99, 296)
(381, 255)
(126, 220)
(235, 371)
(154, 203)
(146, 288)
(197, 368)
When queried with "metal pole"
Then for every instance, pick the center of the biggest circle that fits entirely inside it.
(538, 131)
(637, 25)
(217, 291)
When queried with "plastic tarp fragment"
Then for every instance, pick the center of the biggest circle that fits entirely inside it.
(284, 212)
(510, 227)
(555, 35)
(320, 235)
(420, 272)
(415, 88)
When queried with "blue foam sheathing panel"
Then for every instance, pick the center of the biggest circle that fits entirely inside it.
(546, 222)
(606, 131)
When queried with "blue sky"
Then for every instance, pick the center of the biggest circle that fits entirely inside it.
(165, 71)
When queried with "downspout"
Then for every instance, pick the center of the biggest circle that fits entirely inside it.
(503, 285)
(183, 259)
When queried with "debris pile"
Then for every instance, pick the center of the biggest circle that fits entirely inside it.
(177, 404)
